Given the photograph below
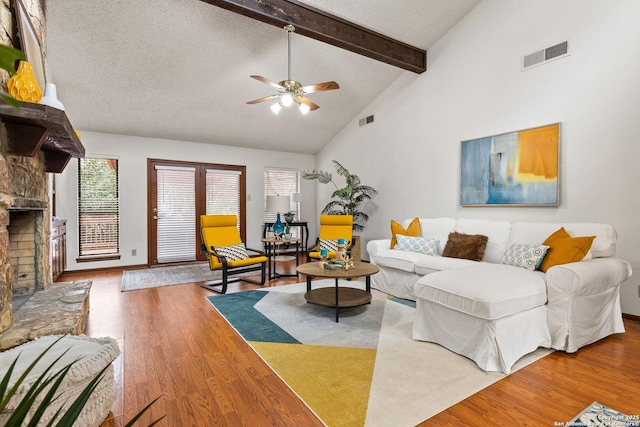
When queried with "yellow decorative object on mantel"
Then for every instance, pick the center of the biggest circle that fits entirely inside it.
(23, 86)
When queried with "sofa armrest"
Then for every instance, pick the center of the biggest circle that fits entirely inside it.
(583, 301)
(375, 246)
(587, 277)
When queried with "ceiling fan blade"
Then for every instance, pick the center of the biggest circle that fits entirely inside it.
(319, 87)
(307, 102)
(266, 98)
(267, 81)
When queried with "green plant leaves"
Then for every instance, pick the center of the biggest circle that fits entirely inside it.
(8, 58)
(323, 177)
(349, 198)
(49, 381)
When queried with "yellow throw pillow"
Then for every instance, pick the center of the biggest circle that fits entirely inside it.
(564, 249)
(412, 230)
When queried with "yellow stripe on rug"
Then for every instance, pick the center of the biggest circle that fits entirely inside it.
(320, 373)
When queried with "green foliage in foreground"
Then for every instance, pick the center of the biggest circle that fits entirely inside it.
(8, 58)
(47, 385)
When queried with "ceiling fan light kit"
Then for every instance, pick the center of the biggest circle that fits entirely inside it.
(291, 91)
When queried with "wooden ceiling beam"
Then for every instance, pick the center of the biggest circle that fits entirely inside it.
(331, 29)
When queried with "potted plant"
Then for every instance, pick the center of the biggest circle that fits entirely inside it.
(348, 199)
(289, 217)
(287, 230)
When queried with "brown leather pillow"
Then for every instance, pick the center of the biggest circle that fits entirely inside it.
(467, 246)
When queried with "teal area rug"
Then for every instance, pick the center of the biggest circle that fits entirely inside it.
(365, 370)
(171, 275)
(601, 415)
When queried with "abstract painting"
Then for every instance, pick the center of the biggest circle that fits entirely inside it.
(517, 168)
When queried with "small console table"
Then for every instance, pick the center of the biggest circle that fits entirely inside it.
(271, 250)
(303, 226)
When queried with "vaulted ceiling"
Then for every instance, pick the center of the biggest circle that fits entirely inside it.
(180, 69)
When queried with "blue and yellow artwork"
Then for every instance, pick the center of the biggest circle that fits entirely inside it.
(516, 168)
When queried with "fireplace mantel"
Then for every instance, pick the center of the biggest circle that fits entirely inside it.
(37, 127)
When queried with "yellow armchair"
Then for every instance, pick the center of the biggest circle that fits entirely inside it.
(332, 227)
(226, 251)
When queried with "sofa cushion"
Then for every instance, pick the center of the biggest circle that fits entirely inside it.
(400, 260)
(425, 245)
(564, 249)
(436, 228)
(488, 291)
(467, 246)
(604, 245)
(410, 229)
(497, 231)
(429, 264)
(524, 255)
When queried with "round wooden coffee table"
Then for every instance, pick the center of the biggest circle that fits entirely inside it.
(341, 296)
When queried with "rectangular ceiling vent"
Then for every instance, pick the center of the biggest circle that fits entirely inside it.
(543, 56)
(366, 120)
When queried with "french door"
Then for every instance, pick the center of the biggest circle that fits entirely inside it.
(179, 192)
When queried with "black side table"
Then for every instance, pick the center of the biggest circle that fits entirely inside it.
(304, 232)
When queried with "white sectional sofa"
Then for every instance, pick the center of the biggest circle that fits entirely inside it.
(495, 313)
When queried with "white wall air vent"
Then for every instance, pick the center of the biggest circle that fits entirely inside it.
(366, 120)
(543, 56)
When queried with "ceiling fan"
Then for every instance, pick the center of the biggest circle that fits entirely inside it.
(290, 91)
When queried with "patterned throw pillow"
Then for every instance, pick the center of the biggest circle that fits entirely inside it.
(233, 252)
(332, 245)
(524, 255)
(424, 245)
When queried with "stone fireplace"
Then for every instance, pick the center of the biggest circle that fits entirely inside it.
(35, 140)
(24, 231)
(31, 305)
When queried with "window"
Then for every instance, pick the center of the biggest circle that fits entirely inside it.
(281, 182)
(98, 210)
(223, 192)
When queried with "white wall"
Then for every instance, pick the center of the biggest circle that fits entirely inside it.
(473, 87)
(133, 152)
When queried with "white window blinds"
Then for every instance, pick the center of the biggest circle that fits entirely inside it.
(284, 182)
(98, 207)
(176, 213)
(223, 193)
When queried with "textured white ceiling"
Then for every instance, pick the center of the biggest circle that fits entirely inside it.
(180, 69)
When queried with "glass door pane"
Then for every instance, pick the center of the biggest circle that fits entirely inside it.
(176, 214)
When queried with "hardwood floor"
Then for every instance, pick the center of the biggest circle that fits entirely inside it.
(177, 347)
